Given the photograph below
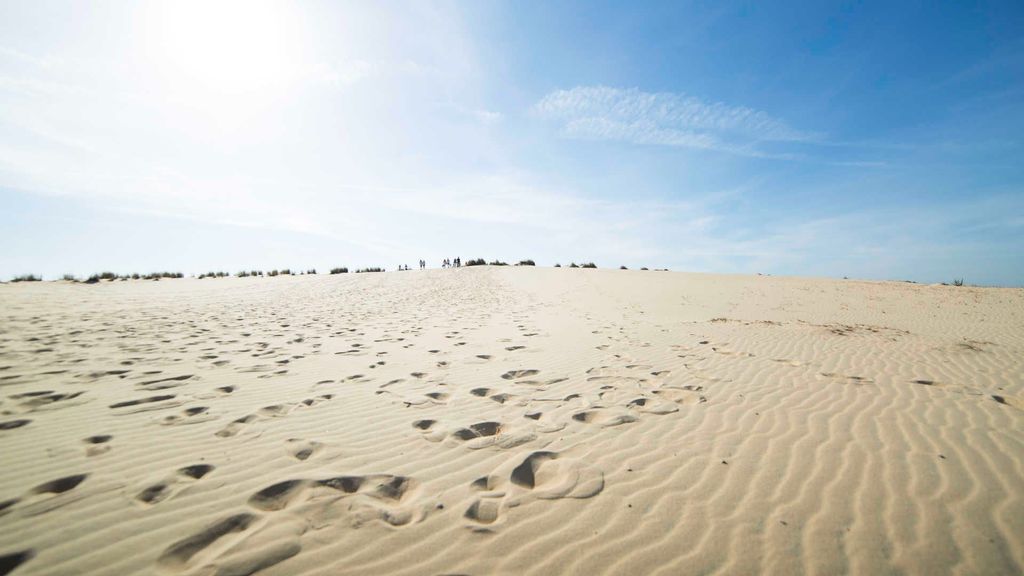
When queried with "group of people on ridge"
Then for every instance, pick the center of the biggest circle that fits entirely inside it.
(446, 263)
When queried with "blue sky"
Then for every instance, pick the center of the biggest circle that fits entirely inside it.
(869, 140)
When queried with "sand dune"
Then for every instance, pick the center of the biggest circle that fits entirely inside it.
(511, 420)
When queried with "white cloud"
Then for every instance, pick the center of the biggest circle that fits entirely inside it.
(662, 118)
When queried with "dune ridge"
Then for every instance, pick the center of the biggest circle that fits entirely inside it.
(511, 420)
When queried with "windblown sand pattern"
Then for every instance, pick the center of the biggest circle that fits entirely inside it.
(511, 421)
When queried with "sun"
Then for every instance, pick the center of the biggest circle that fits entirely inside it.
(222, 48)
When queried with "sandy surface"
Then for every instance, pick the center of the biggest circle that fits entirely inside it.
(511, 421)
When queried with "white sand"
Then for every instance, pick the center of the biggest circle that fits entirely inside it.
(512, 421)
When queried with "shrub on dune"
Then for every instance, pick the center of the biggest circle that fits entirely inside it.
(573, 265)
(476, 262)
(26, 278)
(589, 265)
(623, 268)
(101, 276)
(339, 270)
(499, 263)
(69, 278)
(526, 263)
(364, 270)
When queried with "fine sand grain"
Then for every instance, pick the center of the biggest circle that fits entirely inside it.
(509, 421)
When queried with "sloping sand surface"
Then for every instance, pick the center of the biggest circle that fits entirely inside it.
(511, 420)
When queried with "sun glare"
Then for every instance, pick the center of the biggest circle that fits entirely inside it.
(222, 48)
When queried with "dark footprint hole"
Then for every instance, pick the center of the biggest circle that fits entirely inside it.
(152, 493)
(31, 394)
(525, 474)
(182, 551)
(478, 430)
(483, 483)
(304, 454)
(925, 382)
(196, 471)
(99, 439)
(533, 415)
(424, 424)
(9, 562)
(513, 374)
(196, 410)
(12, 424)
(276, 496)
(226, 389)
(7, 504)
(347, 484)
(999, 399)
(583, 416)
(479, 391)
(142, 401)
(639, 402)
(394, 489)
(60, 485)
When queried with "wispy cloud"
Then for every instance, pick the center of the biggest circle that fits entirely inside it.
(663, 118)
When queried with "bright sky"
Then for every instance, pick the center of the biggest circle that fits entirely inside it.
(877, 140)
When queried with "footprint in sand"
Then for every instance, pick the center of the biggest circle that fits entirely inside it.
(302, 449)
(683, 395)
(604, 417)
(10, 562)
(49, 495)
(13, 424)
(236, 544)
(360, 499)
(164, 383)
(98, 444)
(478, 435)
(193, 415)
(172, 484)
(159, 402)
(519, 374)
(540, 475)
